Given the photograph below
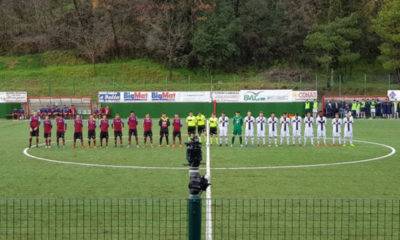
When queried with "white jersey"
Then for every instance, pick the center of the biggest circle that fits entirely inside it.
(296, 126)
(308, 127)
(261, 125)
(348, 125)
(285, 122)
(321, 125)
(223, 123)
(336, 127)
(249, 125)
(273, 126)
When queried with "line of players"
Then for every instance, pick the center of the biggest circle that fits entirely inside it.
(218, 126)
(258, 125)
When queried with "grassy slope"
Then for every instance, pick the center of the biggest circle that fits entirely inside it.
(63, 74)
(28, 178)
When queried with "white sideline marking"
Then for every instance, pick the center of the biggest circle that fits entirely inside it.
(209, 230)
(393, 151)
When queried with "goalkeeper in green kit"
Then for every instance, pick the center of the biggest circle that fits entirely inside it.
(237, 128)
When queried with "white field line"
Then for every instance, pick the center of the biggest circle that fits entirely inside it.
(392, 152)
(209, 230)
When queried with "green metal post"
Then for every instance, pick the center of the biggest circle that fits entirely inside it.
(194, 211)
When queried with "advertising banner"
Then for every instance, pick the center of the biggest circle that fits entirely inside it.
(110, 97)
(13, 97)
(131, 97)
(302, 96)
(225, 96)
(394, 95)
(203, 96)
(163, 96)
(265, 96)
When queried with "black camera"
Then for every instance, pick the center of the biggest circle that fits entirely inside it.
(198, 184)
(193, 152)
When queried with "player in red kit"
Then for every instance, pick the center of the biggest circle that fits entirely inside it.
(147, 127)
(177, 124)
(47, 126)
(61, 128)
(104, 125)
(78, 126)
(34, 124)
(117, 125)
(164, 124)
(92, 130)
(132, 124)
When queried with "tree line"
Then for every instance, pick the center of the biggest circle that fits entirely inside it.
(213, 34)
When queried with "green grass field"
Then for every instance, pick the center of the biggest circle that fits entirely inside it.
(54, 200)
(24, 177)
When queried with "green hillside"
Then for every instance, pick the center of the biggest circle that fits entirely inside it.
(61, 73)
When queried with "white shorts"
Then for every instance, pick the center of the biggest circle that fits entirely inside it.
(249, 133)
(260, 133)
(285, 133)
(296, 133)
(336, 134)
(223, 132)
(373, 110)
(321, 133)
(308, 132)
(272, 134)
(348, 133)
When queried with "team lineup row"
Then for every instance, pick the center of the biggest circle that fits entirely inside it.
(218, 129)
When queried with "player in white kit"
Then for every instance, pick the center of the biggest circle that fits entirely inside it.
(223, 124)
(348, 129)
(285, 131)
(272, 129)
(261, 125)
(308, 129)
(337, 129)
(296, 129)
(249, 122)
(321, 128)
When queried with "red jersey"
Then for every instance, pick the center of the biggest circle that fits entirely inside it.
(78, 125)
(132, 123)
(177, 124)
(91, 125)
(34, 122)
(147, 124)
(47, 126)
(117, 124)
(61, 126)
(104, 125)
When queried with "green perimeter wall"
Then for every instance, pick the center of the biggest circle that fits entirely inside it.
(155, 109)
(7, 108)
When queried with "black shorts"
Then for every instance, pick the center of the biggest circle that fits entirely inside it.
(91, 134)
(117, 134)
(213, 131)
(47, 135)
(191, 130)
(133, 132)
(103, 135)
(148, 134)
(164, 132)
(35, 133)
(78, 135)
(176, 134)
(200, 129)
(60, 134)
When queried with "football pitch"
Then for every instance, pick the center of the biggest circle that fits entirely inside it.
(369, 170)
